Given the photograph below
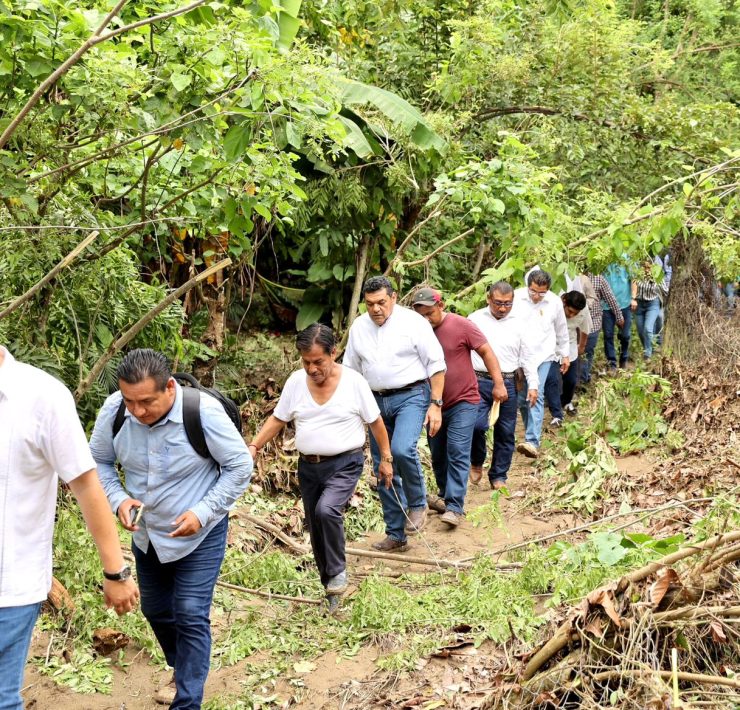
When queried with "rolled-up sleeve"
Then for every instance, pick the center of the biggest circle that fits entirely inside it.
(231, 453)
(101, 448)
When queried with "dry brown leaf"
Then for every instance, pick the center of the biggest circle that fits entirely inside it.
(604, 597)
(660, 586)
(718, 633)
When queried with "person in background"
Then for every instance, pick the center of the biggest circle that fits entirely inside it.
(664, 262)
(579, 323)
(620, 283)
(546, 331)
(505, 334)
(395, 350)
(42, 441)
(180, 539)
(604, 295)
(329, 405)
(450, 447)
(645, 304)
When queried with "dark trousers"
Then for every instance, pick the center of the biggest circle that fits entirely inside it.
(176, 600)
(570, 380)
(553, 390)
(326, 488)
(609, 323)
(503, 430)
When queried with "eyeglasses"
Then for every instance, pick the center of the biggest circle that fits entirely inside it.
(503, 304)
(534, 292)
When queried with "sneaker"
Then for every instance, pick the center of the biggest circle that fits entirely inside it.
(570, 408)
(452, 518)
(391, 545)
(498, 483)
(416, 521)
(556, 422)
(165, 694)
(529, 450)
(436, 503)
(337, 584)
(476, 473)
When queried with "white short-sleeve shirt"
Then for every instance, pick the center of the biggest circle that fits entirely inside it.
(335, 426)
(41, 439)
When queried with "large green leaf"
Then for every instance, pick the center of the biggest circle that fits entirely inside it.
(288, 22)
(308, 313)
(356, 139)
(396, 109)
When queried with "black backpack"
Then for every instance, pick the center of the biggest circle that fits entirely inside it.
(191, 412)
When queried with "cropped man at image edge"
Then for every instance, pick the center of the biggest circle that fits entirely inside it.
(396, 351)
(41, 440)
(180, 540)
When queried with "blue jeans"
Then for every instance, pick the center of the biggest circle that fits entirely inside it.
(533, 416)
(503, 430)
(588, 358)
(450, 449)
(176, 600)
(645, 316)
(16, 627)
(403, 415)
(609, 322)
(553, 390)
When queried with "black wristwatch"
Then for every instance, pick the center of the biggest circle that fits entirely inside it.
(438, 402)
(121, 576)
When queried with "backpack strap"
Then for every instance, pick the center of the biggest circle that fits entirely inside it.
(192, 423)
(120, 418)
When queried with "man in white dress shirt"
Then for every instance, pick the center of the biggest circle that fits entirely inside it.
(547, 338)
(504, 332)
(41, 441)
(395, 349)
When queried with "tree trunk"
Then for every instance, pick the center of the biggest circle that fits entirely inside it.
(214, 297)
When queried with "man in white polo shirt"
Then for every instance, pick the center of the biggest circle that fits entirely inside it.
(395, 349)
(41, 440)
(547, 338)
(505, 333)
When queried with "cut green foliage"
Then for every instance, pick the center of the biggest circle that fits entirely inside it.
(83, 673)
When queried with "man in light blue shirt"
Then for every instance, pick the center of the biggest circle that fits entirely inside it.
(619, 280)
(183, 499)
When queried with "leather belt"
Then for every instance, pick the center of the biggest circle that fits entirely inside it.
(410, 386)
(486, 376)
(318, 458)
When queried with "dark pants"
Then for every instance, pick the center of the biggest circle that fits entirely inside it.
(609, 323)
(553, 390)
(570, 380)
(450, 449)
(588, 358)
(503, 430)
(326, 488)
(176, 600)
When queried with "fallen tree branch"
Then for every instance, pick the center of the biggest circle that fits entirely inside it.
(268, 595)
(696, 612)
(137, 327)
(431, 255)
(66, 261)
(667, 675)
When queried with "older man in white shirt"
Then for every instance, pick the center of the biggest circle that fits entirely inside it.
(396, 351)
(547, 338)
(41, 441)
(505, 333)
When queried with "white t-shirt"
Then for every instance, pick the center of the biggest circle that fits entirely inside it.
(581, 321)
(40, 439)
(335, 426)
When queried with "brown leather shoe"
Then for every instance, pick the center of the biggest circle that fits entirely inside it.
(476, 473)
(452, 518)
(497, 484)
(166, 692)
(391, 545)
(436, 503)
(416, 522)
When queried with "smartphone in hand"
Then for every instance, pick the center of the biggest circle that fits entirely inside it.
(135, 513)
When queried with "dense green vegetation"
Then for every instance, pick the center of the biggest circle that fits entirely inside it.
(312, 143)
